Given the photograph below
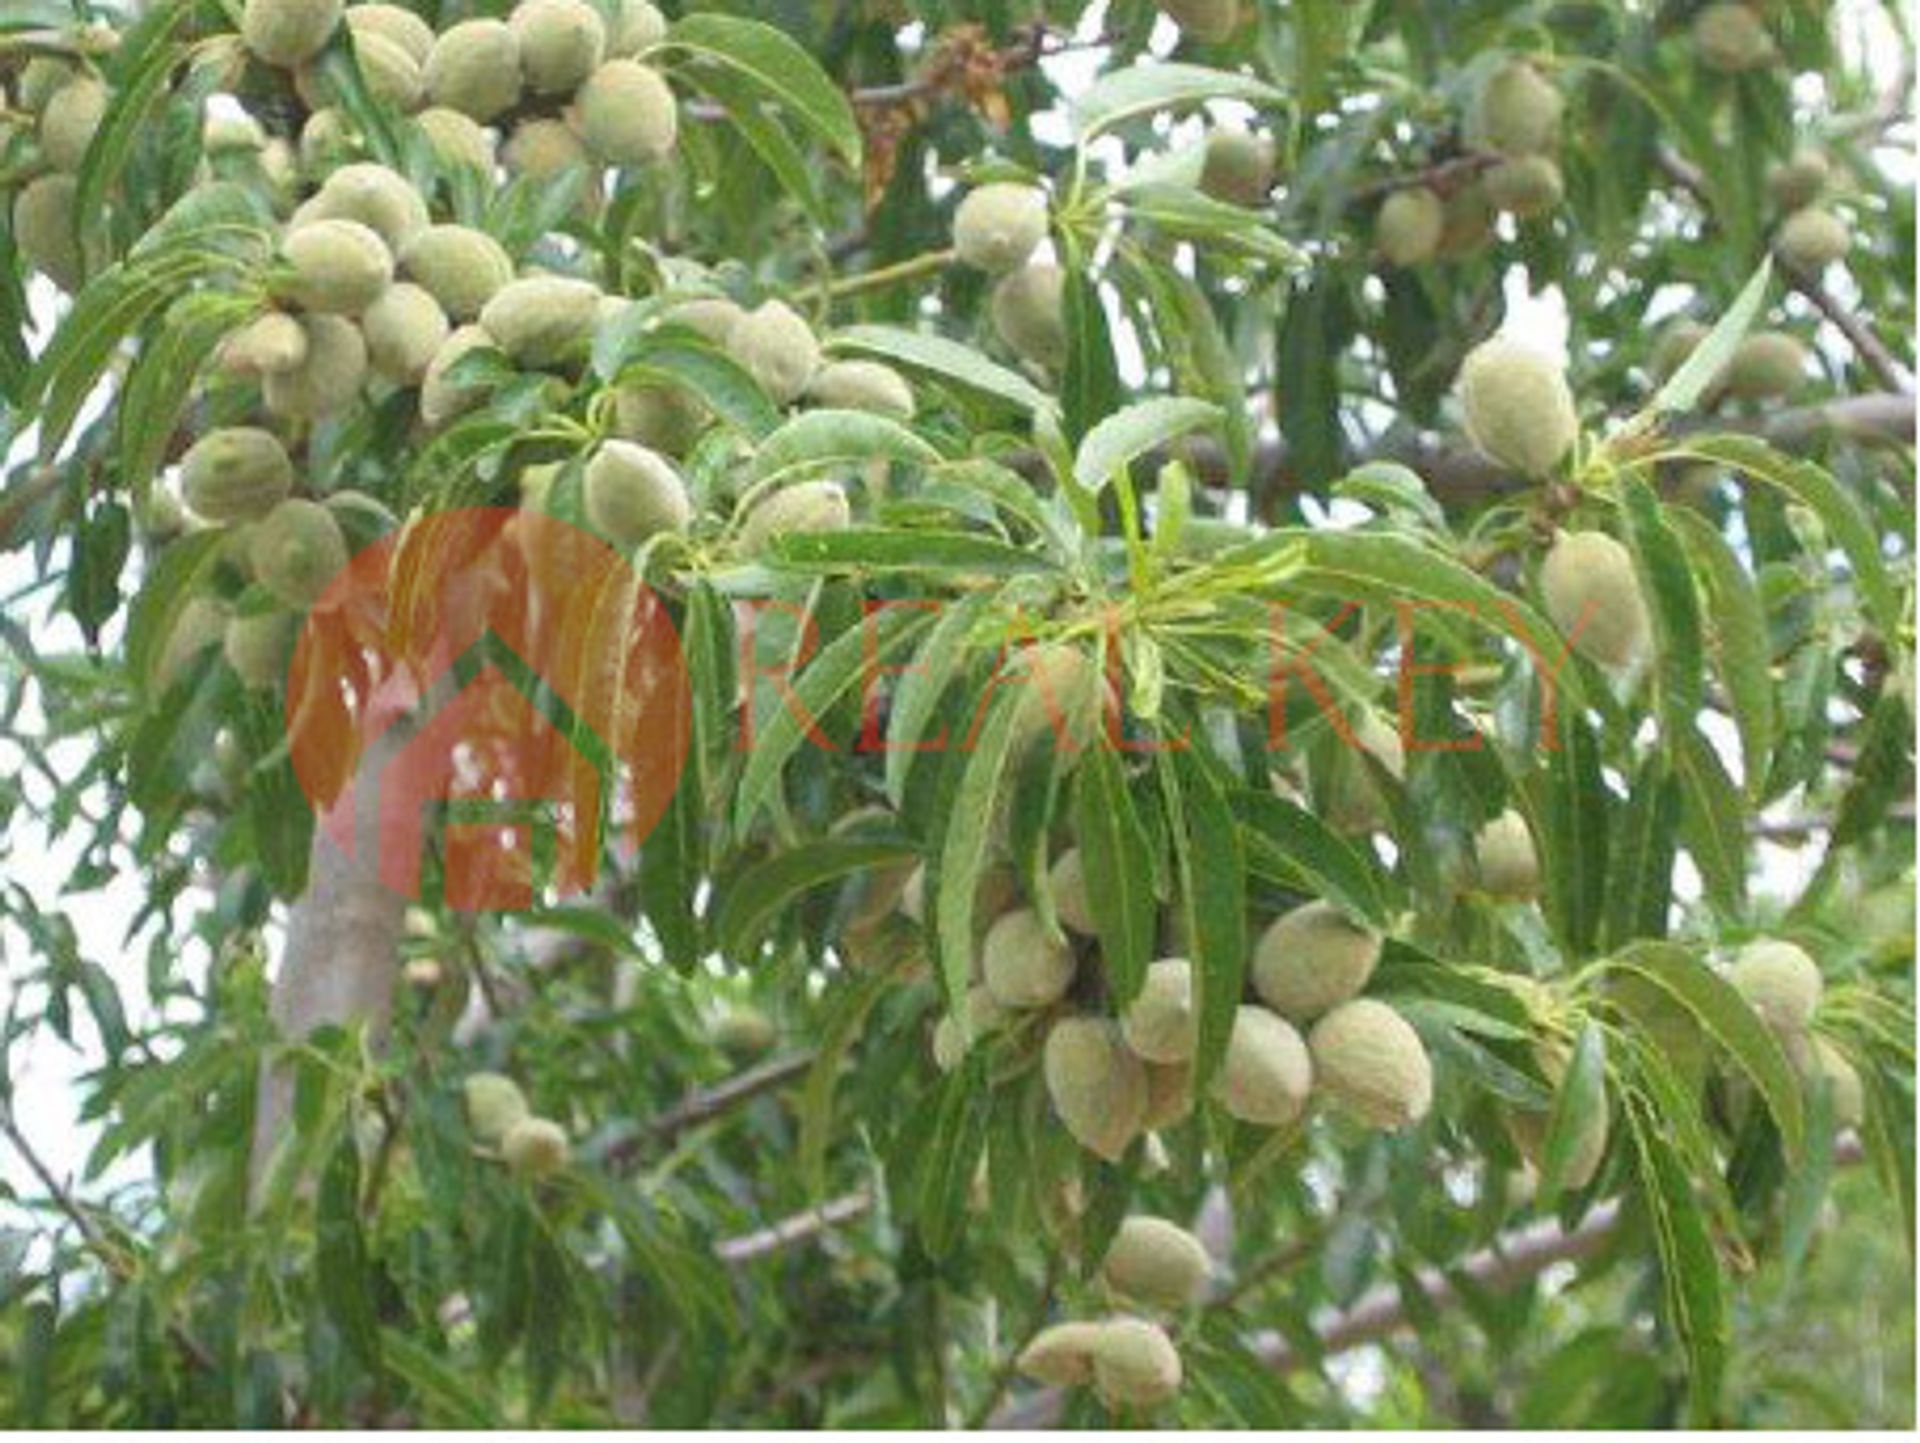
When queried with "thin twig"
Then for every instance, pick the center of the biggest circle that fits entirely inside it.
(799, 1228)
(111, 1256)
(709, 1103)
(1442, 176)
(1869, 347)
(705, 1104)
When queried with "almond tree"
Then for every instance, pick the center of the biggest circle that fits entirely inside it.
(1209, 796)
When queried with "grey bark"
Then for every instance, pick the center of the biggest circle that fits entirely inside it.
(342, 952)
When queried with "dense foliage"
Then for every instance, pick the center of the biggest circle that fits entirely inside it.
(1231, 800)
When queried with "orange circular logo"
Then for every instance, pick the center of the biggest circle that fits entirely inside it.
(481, 700)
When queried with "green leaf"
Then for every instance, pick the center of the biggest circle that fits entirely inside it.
(1141, 89)
(1090, 382)
(922, 683)
(1667, 583)
(769, 139)
(1579, 1105)
(1882, 771)
(163, 377)
(948, 1159)
(176, 575)
(1571, 798)
(453, 1397)
(945, 360)
(844, 1015)
(1684, 388)
(1814, 488)
(341, 1265)
(1293, 847)
(1188, 214)
(1725, 1017)
(1689, 1269)
(849, 658)
(756, 899)
(1125, 436)
(1641, 849)
(772, 63)
(879, 548)
(338, 67)
(1213, 888)
(142, 66)
(672, 357)
(1376, 565)
(1008, 490)
(111, 307)
(969, 833)
(1737, 635)
(100, 546)
(1118, 869)
(820, 440)
(1713, 821)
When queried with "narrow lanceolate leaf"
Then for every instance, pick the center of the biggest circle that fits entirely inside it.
(175, 577)
(756, 899)
(1882, 772)
(1010, 492)
(1579, 1106)
(1142, 89)
(110, 309)
(1713, 821)
(1289, 845)
(842, 1019)
(944, 360)
(1090, 382)
(162, 378)
(1184, 213)
(1685, 386)
(1695, 1304)
(141, 68)
(769, 139)
(879, 548)
(1816, 489)
(672, 358)
(1378, 566)
(1119, 870)
(969, 832)
(1571, 797)
(948, 1160)
(777, 67)
(1213, 888)
(342, 1267)
(1125, 436)
(1725, 1017)
(922, 682)
(849, 659)
(1737, 636)
(821, 440)
(1641, 849)
(1666, 582)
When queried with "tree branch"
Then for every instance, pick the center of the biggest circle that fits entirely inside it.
(1509, 1261)
(111, 1256)
(342, 954)
(1868, 346)
(791, 1231)
(1457, 472)
(1878, 359)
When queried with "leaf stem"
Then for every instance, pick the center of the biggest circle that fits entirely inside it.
(898, 273)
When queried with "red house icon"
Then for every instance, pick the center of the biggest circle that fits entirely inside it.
(483, 698)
